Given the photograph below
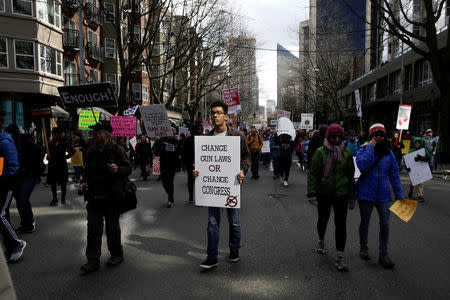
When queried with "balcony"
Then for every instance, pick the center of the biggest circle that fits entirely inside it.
(92, 14)
(70, 4)
(71, 79)
(70, 39)
(94, 52)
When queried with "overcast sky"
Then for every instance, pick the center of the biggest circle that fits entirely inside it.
(272, 22)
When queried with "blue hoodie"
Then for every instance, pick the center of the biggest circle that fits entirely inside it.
(9, 152)
(375, 187)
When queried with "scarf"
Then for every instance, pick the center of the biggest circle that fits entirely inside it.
(334, 154)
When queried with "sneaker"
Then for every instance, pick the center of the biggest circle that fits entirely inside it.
(385, 261)
(26, 229)
(90, 267)
(421, 199)
(285, 183)
(321, 247)
(17, 253)
(170, 204)
(281, 179)
(341, 265)
(114, 261)
(54, 203)
(234, 256)
(208, 264)
(410, 194)
(364, 253)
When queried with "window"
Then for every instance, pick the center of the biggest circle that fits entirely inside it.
(109, 77)
(409, 83)
(92, 37)
(425, 76)
(371, 93)
(144, 92)
(2, 5)
(110, 48)
(136, 33)
(70, 73)
(136, 87)
(23, 7)
(395, 81)
(93, 76)
(109, 12)
(3, 53)
(50, 59)
(24, 55)
(50, 12)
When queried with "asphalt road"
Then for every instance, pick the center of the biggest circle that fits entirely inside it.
(163, 248)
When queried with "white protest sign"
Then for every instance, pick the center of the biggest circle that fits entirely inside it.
(307, 121)
(217, 158)
(266, 147)
(357, 171)
(183, 130)
(404, 113)
(133, 142)
(283, 113)
(420, 170)
(156, 122)
(285, 126)
(358, 104)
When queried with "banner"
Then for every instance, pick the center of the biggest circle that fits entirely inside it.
(123, 126)
(131, 111)
(231, 99)
(217, 158)
(155, 119)
(283, 113)
(86, 119)
(404, 209)
(358, 104)
(88, 95)
(307, 121)
(404, 113)
(420, 170)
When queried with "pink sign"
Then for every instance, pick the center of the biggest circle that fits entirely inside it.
(123, 126)
(231, 98)
(206, 123)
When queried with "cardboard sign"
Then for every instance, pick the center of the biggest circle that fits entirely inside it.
(266, 147)
(285, 126)
(307, 121)
(88, 95)
(131, 111)
(156, 122)
(123, 126)
(358, 104)
(283, 113)
(156, 167)
(231, 99)
(86, 118)
(404, 209)
(420, 170)
(403, 116)
(217, 158)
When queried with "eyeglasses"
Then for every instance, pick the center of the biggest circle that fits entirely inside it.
(335, 136)
(217, 113)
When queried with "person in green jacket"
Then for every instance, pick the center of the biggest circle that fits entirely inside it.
(331, 181)
(417, 145)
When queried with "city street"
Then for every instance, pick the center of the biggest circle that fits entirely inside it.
(164, 247)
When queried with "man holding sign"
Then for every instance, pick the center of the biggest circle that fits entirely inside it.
(219, 116)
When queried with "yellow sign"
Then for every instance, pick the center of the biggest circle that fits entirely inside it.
(77, 158)
(407, 144)
(86, 119)
(404, 209)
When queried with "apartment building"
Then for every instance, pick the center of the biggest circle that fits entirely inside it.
(288, 82)
(31, 57)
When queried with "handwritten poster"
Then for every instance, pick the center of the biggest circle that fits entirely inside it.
(404, 209)
(231, 99)
(265, 147)
(156, 122)
(86, 119)
(307, 121)
(420, 170)
(123, 126)
(217, 158)
(403, 117)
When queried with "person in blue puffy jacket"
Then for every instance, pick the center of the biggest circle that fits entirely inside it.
(378, 168)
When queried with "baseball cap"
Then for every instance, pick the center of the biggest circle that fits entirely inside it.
(101, 125)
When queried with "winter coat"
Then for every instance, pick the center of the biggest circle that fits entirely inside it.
(254, 143)
(340, 183)
(286, 148)
(353, 146)
(10, 157)
(428, 143)
(315, 143)
(188, 152)
(57, 164)
(31, 158)
(375, 186)
(168, 150)
(144, 153)
(274, 149)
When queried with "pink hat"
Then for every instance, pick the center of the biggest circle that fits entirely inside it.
(335, 129)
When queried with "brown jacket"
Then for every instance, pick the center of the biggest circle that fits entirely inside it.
(255, 143)
(245, 152)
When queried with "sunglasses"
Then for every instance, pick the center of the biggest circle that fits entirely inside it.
(335, 136)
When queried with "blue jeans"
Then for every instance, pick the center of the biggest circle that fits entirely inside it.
(234, 222)
(22, 193)
(77, 170)
(365, 208)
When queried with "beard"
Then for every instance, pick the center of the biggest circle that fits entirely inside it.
(381, 149)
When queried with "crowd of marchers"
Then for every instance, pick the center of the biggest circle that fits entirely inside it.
(101, 164)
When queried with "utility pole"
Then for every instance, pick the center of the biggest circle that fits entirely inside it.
(81, 40)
